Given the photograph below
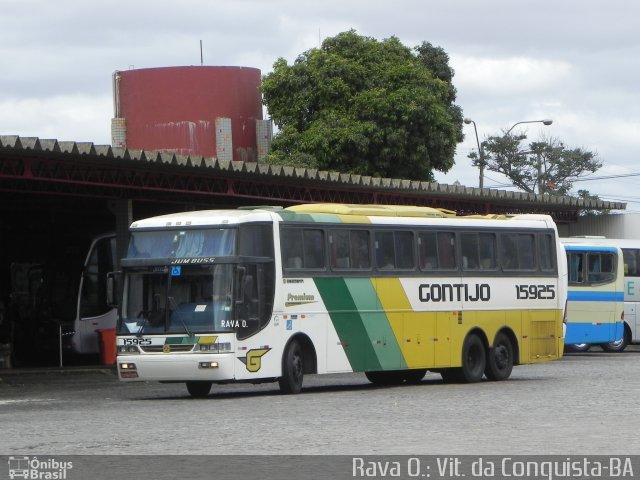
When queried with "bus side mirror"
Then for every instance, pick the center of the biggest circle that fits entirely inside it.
(112, 289)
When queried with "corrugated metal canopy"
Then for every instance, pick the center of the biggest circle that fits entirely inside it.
(82, 168)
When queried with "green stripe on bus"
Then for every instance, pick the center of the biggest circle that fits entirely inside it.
(348, 324)
(376, 323)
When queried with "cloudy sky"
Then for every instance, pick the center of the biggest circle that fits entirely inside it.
(572, 61)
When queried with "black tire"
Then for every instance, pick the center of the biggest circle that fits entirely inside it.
(474, 359)
(199, 389)
(474, 363)
(500, 358)
(292, 369)
(577, 347)
(619, 346)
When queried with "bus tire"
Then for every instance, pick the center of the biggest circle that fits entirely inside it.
(292, 369)
(500, 358)
(474, 359)
(577, 347)
(199, 389)
(619, 346)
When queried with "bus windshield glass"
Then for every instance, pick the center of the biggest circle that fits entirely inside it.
(184, 299)
(212, 242)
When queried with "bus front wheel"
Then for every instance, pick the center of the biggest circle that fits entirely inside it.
(500, 358)
(619, 346)
(292, 369)
(199, 389)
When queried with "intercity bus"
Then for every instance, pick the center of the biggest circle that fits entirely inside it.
(595, 303)
(631, 272)
(271, 294)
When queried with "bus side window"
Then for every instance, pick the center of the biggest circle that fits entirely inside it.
(447, 259)
(313, 246)
(385, 257)
(292, 248)
(526, 252)
(631, 261)
(487, 251)
(339, 247)
(469, 250)
(403, 242)
(601, 268)
(575, 262)
(360, 249)
(545, 252)
(427, 251)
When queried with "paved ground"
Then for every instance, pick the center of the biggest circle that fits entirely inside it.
(582, 404)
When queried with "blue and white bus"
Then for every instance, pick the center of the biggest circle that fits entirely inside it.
(595, 300)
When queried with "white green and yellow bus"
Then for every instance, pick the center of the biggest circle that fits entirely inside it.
(595, 301)
(272, 294)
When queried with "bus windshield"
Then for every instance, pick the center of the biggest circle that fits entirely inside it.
(181, 299)
(182, 243)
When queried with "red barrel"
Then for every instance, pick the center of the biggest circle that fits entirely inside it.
(107, 346)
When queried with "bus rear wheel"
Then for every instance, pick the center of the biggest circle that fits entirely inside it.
(199, 389)
(500, 358)
(292, 369)
(474, 362)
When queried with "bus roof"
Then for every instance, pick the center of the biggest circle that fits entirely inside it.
(336, 213)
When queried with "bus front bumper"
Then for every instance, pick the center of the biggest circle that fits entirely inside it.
(176, 367)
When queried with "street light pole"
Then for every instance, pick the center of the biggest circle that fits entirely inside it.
(480, 152)
(546, 121)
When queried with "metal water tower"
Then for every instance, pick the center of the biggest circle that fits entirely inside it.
(207, 111)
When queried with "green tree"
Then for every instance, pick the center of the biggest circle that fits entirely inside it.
(545, 166)
(364, 106)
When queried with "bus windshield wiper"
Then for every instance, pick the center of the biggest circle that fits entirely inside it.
(145, 316)
(174, 307)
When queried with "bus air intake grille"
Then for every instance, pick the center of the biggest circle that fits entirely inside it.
(166, 348)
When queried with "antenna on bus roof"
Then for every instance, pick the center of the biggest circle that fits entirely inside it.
(201, 59)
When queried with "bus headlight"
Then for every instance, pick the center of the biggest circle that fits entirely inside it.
(128, 349)
(208, 365)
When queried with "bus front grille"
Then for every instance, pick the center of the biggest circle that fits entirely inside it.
(166, 348)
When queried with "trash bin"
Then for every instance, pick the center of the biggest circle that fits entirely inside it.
(107, 346)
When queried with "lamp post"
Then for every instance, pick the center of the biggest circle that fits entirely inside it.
(480, 152)
(546, 121)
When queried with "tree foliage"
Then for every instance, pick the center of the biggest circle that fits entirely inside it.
(544, 166)
(364, 106)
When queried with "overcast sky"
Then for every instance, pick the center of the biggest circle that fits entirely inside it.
(572, 61)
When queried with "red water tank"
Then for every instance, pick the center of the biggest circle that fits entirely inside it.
(208, 111)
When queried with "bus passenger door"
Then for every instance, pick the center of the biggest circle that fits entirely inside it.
(93, 311)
